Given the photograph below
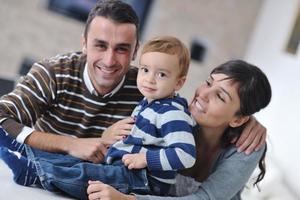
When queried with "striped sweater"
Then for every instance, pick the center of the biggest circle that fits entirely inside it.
(53, 97)
(162, 130)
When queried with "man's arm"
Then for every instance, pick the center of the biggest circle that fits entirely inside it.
(31, 99)
(252, 138)
(90, 149)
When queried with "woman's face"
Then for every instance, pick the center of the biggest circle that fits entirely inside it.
(216, 102)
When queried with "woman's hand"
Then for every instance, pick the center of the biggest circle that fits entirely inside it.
(253, 137)
(98, 190)
(119, 130)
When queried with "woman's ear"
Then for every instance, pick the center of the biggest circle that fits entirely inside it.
(238, 121)
(83, 44)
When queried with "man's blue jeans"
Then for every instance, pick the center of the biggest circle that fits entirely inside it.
(71, 175)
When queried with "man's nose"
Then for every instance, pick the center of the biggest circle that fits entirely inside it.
(109, 58)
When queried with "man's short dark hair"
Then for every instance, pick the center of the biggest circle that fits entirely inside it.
(114, 10)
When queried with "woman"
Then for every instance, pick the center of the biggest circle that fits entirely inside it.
(221, 106)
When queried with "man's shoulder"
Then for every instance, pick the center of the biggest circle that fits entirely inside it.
(130, 81)
(231, 151)
(63, 63)
(67, 59)
(132, 73)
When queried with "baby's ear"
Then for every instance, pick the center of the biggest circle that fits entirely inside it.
(180, 83)
(238, 121)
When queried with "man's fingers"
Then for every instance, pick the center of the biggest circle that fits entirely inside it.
(233, 140)
(96, 159)
(262, 141)
(253, 144)
(247, 141)
(129, 120)
(125, 131)
(246, 132)
(127, 128)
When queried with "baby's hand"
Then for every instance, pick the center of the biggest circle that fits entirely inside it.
(135, 161)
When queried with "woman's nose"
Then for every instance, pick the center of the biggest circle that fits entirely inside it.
(204, 94)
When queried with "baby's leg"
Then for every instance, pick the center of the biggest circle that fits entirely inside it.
(23, 169)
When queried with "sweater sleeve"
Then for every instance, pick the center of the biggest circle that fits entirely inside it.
(226, 181)
(179, 146)
(20, 109)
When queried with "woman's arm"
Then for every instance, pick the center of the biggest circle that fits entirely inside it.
(231, 172)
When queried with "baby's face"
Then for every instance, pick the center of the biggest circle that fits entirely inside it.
(158, 75)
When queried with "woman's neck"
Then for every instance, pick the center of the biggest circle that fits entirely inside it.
(208, 137)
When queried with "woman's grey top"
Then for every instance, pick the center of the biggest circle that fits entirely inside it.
(227, 178)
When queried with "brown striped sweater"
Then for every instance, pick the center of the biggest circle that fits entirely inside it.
(53, 97)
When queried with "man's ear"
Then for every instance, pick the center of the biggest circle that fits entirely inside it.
(136, 50)
(83, 44)
(180, 82)
(238, 121)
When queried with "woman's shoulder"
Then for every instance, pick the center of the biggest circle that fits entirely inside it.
(231, 152)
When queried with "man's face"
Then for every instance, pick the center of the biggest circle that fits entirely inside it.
(109, 47)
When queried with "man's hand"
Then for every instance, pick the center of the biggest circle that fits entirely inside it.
(90, 149)
(135, 161)
(118, 130)
(252, 138)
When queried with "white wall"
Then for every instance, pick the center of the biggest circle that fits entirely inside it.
(267, 50)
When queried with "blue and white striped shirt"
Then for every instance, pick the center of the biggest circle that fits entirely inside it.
(162, 130)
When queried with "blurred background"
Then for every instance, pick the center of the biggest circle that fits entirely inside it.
(263, 32)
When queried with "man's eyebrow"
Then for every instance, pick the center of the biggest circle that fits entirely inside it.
(126, 45)
(120, 44)
(100, 41)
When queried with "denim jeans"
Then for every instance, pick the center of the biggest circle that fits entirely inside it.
(59, 172)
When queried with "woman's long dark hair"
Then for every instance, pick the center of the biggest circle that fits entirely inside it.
(254, 91)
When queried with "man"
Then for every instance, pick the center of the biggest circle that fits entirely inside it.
(81, 94)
